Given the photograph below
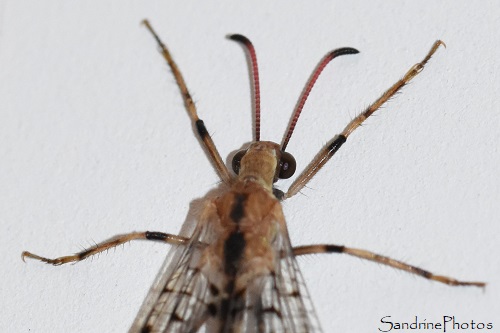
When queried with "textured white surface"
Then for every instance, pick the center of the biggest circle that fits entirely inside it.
(95, 141)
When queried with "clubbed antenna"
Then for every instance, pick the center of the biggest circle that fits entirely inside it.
(255, 77)
(329, 57)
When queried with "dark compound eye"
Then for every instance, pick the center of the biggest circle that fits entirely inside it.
(287, 165)
(237, 161)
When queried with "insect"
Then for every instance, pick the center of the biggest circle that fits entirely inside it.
(237, 271)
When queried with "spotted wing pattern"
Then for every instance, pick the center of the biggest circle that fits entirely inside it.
(283, 303)
(178, 302)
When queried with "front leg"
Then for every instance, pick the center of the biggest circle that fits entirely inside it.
(111, 243)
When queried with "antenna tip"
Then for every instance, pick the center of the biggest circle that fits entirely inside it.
(340, 52)
(239, 38)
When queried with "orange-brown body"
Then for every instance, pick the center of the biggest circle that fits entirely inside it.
(245, 223)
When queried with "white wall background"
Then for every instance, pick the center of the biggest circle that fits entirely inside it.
(95, 141)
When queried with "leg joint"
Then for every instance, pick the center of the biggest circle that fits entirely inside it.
(202, 130)
(155, 235)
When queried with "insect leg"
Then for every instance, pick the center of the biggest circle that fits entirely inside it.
(193, 114)
(364, 254)
(330, 149)
(113, 242)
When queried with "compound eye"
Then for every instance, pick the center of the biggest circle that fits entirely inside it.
(287, 165)
(236, 164)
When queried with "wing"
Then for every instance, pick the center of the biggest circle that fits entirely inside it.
(286, 304)
(279, 301)
(177, 301)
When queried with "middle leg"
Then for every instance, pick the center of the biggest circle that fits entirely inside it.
(364, 254)
(111, 243)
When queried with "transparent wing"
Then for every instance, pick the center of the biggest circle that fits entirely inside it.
(279, 302)
(177, 301)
